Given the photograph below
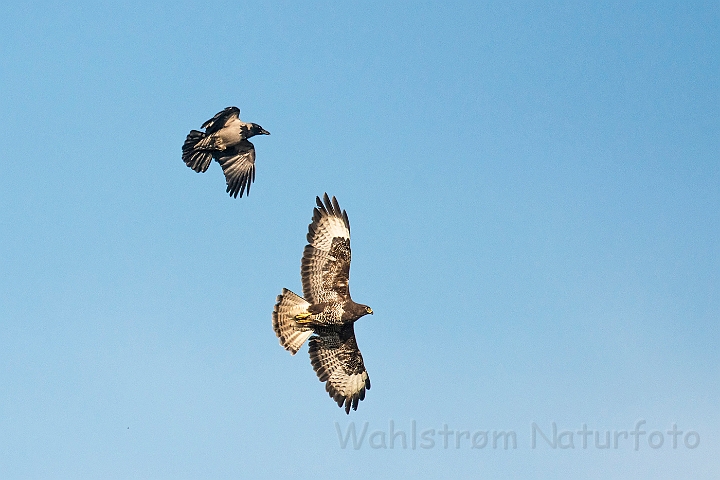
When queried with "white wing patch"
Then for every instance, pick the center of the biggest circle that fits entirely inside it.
(347, 386)
(329, 222)
(326, 229)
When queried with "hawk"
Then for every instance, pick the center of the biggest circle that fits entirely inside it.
(226, 140)
(326, 312)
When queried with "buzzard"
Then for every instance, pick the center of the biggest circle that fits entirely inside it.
(226, 140)
(326, 312)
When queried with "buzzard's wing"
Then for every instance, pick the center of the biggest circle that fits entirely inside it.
(238, 163)
(220, 119)
(337, 361)
(325, 266)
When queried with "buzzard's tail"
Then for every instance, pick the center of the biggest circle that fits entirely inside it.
(291, 334)
(195, 157)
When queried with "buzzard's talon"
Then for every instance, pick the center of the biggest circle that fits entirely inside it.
(303, 318)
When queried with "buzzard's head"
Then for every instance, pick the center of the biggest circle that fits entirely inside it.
(256, 129)
(355, 311)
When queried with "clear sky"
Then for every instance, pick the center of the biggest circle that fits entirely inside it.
(534, 195)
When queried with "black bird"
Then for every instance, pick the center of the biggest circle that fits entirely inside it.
(226, 140)
(326, 312)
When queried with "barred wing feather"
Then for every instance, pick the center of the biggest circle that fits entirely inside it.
(337, 361)
(325, 268)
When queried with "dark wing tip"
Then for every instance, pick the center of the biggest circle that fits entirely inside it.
(336, 207)
(326, 207)
(241, 184)
(330, 206)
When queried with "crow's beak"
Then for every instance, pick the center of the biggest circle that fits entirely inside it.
(264, 132)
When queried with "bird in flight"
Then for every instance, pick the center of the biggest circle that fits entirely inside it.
(226, 140)
(326, 312)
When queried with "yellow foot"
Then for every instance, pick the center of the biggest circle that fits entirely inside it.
(303, 318)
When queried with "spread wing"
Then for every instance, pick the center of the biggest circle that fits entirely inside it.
(325, 268)
(238, 163)
(220, 119)
(335, 356)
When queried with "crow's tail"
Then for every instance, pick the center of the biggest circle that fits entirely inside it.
(196, 158)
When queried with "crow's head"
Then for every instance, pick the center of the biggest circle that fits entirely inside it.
(256, 129)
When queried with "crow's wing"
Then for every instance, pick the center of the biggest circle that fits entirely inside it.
(220, 119)
(238, 163)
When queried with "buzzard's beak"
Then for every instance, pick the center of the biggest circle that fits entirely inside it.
(370, 311)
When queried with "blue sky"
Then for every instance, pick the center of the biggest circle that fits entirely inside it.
(533, 195)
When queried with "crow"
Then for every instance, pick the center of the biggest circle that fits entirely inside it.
(226, 140)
